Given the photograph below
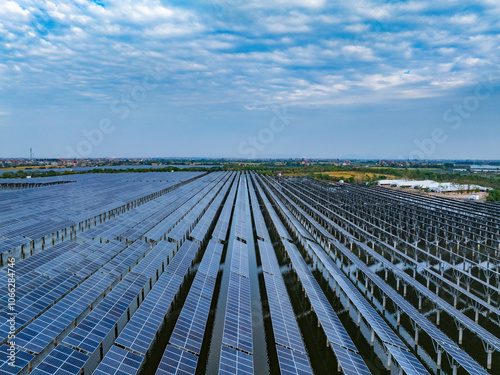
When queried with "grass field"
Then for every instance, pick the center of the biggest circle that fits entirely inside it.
(358, 176)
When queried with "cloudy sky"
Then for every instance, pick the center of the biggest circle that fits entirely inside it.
(253, 78)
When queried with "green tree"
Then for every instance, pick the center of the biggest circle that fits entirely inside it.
(494, 196)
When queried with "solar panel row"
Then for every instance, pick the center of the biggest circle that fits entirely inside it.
(25, 213)
(330, 323)
(376, 321)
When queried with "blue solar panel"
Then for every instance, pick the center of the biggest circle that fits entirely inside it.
(333, 328)
(238, 319)
(268, 258)
(239, 260)
(177, 361)
(407, 361)
(222, 226)
(351, 363)
(92, 330)
(155, 259)
(233, 361)
(21, 360)
(378, 324)
(61, 361)
(211, 259)
(24, 285)
(292, 362)
(285, 328)
(34, 303)
(182, 259)
(119, 361)
(43, 330)
(38, 260)
(462, 358)
(126, 259)
(141, 330)
(190, 327)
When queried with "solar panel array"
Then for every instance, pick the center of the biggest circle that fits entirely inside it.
(89, 334)
(177, 361)
(234, 361)
(97, 296)
(239, 260)
(43, 330)
(61, 361)
(27, 216)
(190, 326)
(330, 323)
(187, 337)
(222, 227)
(139, 334)
(374, 320)
(49, 277)
(237, 333)
(119, 361)
(290, 347)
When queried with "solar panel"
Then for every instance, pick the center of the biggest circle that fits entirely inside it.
(211, 259)
(239, 259)
(43, 330)
(61, 361)
(182, 259)
(233, 361)
(40, 259)
(37, 301)
(127, 259)
(119, 361)
(238, 318)
(268, 258)
(467, 363)
(92, 330)
(351, 363)
(177, 361)
(333, 328)
(155, 260)
(141, 330)
(378, 324)
(21, 360)
(24, 285)
(190, 327)
(292, 362)
(285, 328)
(407, 361)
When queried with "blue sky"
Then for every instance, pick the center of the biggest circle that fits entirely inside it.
(256, 78)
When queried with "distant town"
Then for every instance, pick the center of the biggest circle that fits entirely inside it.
(458, 179)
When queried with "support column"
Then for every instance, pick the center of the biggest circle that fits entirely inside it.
(439, 353)
(490, 355)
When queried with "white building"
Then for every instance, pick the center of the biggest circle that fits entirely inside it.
(439, 187)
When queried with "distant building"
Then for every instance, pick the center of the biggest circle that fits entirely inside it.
(439, 187)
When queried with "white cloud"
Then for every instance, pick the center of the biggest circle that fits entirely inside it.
(253, 52)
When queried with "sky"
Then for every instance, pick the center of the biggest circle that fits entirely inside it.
(250, 79)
